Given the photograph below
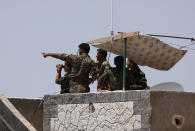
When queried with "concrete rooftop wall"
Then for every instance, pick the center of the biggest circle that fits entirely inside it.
(110, 111)
(120, 111)
(11, 119)
(31, 109)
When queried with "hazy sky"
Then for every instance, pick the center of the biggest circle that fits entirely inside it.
(29, 27)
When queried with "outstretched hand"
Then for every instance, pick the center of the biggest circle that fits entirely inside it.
(45, 54)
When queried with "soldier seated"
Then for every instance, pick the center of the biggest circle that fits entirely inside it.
(113, 77)
(135, 77)
(63, 81)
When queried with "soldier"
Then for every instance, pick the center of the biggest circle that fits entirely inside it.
(102, 65)
(82, 66)
(63, 81)
(136, 78)
(114, 76)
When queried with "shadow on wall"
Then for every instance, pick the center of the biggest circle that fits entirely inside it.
(31, 109)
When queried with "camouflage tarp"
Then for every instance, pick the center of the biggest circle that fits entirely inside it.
(144, 50)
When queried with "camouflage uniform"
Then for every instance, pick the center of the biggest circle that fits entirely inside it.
(113, 78)
(136, 78)
(101, 67)
(82, 66)
(64, 82)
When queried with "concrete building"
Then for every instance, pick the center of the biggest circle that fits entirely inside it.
(118, 110)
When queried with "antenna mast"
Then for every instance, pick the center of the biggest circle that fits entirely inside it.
(111, 27)
(111, 18)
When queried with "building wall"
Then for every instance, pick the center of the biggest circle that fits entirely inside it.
(172, 111)
(11, 119)
(31, 109)
(3, 125)
(124, 111)
(127, 111)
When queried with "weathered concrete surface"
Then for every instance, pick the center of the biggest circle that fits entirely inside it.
(127, 111)
(11, 118)
(124, 111)
(165, 105)
(31, 109)
(3, 125)
(106, 116)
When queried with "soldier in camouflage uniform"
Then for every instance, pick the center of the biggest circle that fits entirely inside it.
(102, 65)
(135, 77)
(63, 81)
(114, 76)
(82, 67)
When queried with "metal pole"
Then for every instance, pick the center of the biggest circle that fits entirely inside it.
(124, 63)
(178, 37)
(111, 27)
(111, 18)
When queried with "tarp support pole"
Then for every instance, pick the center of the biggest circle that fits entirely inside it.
(124, 63)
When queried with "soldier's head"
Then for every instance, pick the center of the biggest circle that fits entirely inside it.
(118, 61)
(101, 54)
(131, 64)
(67, 66)
(84, 48)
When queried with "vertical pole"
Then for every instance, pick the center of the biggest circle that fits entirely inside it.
(111, 28)
(111, 18)
(124, 63)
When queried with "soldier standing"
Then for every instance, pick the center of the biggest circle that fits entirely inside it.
(82, 67)
(63, 81)
(102, 65)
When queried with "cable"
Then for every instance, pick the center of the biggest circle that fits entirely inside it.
(180, 47)
(176, 37)
(187, 45)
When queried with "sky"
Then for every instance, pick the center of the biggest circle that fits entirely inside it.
(29, 27)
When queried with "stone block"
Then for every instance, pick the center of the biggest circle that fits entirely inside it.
(46, 124)
(53, 99)
(103, 97)
(73, 98)
(132, 95)
(106, 97)
(145, 121)
(118, 96)
(50, 111)
(142, 107)
(145, 94)
(89, 98)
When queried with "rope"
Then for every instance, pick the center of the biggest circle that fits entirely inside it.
(180, 47)
(187, 45)
(177, 37)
